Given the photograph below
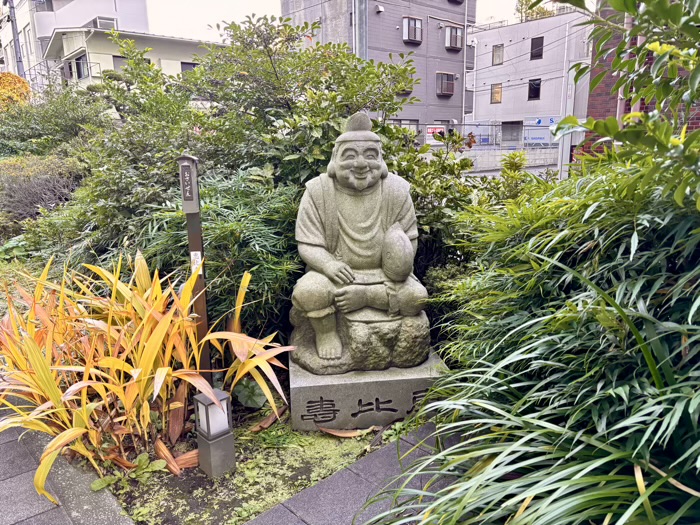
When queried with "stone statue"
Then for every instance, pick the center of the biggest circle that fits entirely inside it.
(359, 306)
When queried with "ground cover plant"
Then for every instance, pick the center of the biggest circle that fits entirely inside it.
(272, 465)
(575, 326)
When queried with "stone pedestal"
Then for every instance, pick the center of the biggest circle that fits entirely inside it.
(359, 399)
(372, 340)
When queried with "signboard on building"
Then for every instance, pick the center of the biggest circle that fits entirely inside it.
(433, 130)
(536, 130)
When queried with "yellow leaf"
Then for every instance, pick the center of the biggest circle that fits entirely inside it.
(141, 273)
(64, 438)
(42, 472)
(242, 289)
(161, 376)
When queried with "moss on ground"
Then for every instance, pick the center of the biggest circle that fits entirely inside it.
(272, 466)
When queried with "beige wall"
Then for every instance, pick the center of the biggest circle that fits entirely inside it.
(166, 54)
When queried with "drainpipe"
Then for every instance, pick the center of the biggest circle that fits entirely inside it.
(621, 92)
(638, 105)
(15, 38)
(476, 53)
(564, 145)
(464, 66)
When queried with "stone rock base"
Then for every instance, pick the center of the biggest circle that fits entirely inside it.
(371, 341)
(359, 399)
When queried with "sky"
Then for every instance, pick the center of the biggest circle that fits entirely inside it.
(486, 11)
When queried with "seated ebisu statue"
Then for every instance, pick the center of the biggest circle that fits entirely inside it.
(359, 306)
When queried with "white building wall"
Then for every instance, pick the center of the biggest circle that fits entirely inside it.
(166, 54)
(564, 44)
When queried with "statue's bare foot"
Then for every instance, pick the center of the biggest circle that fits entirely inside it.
(329, 346)
(351, 298)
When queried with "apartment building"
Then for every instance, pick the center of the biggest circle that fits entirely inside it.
(69, 37)
(433, 30)
(521, 83)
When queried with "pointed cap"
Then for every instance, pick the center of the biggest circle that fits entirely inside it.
(358, 128)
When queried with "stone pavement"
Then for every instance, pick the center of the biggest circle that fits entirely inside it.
(335, 500)
(339, 499)
(21, 505)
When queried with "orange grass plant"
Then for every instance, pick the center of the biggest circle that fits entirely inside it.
(104, 366)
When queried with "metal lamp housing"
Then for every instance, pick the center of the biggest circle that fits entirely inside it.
(212, 422)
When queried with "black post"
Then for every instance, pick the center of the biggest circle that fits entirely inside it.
(190, 205)
(15, 38)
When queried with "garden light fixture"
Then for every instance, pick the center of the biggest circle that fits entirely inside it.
(214, 436)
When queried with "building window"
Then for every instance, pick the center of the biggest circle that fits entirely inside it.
(409, 124)
(43, 5)
(28, 47)
(82, 69)
(453, 37)
(497, 55)
(533, 90)
(119, 62)
(445, 84)
(187, 66)
(536, 48)
(496, 93)
(512, 131)
(413, 30)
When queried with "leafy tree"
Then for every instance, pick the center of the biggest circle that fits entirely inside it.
(275, 99)
(13, 90)
(525, 12)
(264, 105)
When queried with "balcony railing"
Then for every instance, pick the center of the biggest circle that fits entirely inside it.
(54, 72)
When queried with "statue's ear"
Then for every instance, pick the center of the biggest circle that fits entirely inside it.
(331, 165)
(385, 170)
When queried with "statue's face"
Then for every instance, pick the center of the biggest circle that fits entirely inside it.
(359, 165)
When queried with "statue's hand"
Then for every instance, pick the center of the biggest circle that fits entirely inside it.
(338, 272)
(351, 298)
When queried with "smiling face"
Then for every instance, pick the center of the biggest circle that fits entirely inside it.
(359, 165)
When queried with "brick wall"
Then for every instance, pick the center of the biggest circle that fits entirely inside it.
(602, 102)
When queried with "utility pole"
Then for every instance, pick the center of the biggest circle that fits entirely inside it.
(15, 37)
(360, 22)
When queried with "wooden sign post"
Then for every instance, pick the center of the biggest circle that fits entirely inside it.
(190, 205)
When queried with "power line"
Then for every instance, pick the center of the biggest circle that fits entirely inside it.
(306, 7)
(514, 43)
(527, 53)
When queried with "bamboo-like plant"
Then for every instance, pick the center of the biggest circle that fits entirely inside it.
(102, 365)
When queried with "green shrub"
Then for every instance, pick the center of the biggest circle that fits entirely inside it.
(51, 120)
(31, 183)
(575, 329)
(247, 222)
(268, 111)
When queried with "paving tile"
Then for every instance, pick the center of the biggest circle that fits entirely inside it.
(279, 515)
(335, 500)
(14, 460)
(423, 436)
(11, 434)
(55, 516)
(382, 466)
(20, 501)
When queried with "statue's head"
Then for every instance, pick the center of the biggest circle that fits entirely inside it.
(357, 163)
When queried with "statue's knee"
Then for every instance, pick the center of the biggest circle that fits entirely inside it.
(412, 297)
(313, 292)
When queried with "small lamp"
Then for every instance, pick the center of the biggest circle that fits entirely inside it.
(214, 437)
